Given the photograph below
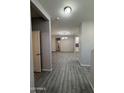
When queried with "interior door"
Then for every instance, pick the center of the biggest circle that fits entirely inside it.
(36, 51)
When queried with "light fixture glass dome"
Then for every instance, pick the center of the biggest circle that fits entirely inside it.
(67, 10)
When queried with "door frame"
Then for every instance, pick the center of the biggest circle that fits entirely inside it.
(36, 4)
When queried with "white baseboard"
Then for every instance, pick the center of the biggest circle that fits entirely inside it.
(85, 65)
(86, 76)
(47, 69)
(91, 85)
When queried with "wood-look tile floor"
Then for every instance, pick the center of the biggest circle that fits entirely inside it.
(67, 76)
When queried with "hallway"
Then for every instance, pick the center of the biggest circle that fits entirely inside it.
(67, 76)
(64, 62)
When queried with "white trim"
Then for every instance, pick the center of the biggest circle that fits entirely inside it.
(85, 65)
(91, 85)
(86, 75)
(47, 69)
(40, 7)
(88, 79)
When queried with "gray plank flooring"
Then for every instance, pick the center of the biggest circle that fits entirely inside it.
(67, 76)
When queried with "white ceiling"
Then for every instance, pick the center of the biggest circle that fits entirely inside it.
(82, 10)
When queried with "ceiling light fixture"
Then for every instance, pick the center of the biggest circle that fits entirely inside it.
(63, 33)
(58, 18)
(63, 38)
(67, 10)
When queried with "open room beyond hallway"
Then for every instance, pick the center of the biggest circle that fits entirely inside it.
(62, 46)
(67, 76)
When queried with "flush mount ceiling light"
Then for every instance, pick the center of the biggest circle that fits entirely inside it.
(57, 18)
(67, 10)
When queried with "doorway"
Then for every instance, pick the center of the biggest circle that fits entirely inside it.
(36, 19)
(41, 46)
(58, 40)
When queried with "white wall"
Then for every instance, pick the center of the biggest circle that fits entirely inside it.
(53, 43)
(67, 45)
(46, 47)
(87, 48)
(86, 42)
(92, 68)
